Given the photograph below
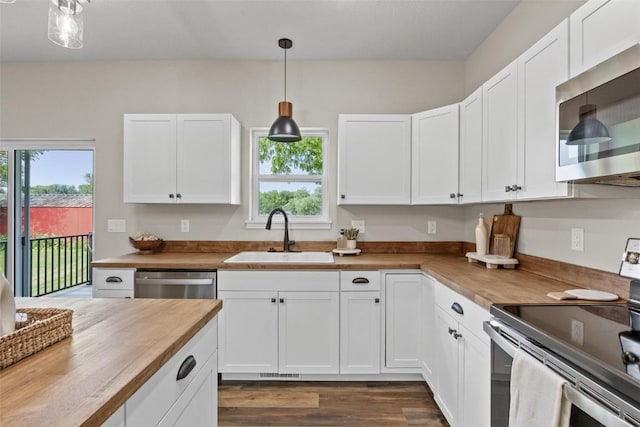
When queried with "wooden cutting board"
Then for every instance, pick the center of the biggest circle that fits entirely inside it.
(508, 224)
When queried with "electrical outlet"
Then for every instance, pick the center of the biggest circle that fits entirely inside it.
(184, 225)
(116, 226)
(359, 224)
(577, 332)
(577, 239)
(431, 227)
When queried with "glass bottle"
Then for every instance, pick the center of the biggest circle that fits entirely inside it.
(342, 241)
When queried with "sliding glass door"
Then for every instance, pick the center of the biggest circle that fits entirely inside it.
(48, 200)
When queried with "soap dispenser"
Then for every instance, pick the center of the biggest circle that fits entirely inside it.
(482, 236)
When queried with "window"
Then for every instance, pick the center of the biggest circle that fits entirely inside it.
(291, 176)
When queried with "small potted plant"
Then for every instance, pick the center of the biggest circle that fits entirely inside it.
(351, 234)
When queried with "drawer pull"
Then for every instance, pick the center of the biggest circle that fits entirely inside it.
(360, 280)
(186, 367)
(457, 308)
(377, 300)
(114, 279)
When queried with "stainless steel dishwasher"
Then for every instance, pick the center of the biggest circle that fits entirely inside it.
(186, 284)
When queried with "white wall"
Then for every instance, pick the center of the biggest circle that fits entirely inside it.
(70, 100)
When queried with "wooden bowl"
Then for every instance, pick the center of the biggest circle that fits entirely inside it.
(146, 247)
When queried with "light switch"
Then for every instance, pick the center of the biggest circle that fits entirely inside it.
(116, 226)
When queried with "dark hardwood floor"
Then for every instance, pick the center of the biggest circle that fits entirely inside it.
(301, 403)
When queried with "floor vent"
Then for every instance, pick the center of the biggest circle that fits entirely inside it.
(275, 375)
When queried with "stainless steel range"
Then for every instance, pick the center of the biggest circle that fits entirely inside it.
(594, 347)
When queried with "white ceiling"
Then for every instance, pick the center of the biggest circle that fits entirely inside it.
(249, 29)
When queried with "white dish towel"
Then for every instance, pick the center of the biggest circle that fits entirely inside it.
(537, 398)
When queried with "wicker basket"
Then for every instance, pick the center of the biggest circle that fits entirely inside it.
(42, 328)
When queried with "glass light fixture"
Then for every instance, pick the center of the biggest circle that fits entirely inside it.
(285, 129)
(66, 24)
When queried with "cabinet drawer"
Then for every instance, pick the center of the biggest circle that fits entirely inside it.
(152, 401)
(113, 278)
(359, 280)
(473, 315)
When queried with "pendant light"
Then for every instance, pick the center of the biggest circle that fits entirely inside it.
(285, 129)
(66, 24)
(589, 129)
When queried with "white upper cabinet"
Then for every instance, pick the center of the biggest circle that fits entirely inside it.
(434, 156)
(540, 69)
(519, 134)
(500, 132)
(374, 159)
(601, 29)
(470, 169)
(183, 158)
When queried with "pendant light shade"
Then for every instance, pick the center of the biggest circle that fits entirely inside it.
(589, 129)
(285, 129)
(66, 24)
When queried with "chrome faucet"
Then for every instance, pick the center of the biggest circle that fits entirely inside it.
(287, 243)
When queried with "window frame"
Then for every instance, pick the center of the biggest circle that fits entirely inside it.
(257, 221)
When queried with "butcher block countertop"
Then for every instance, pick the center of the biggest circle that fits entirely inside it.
(116, 346)
(474, 281)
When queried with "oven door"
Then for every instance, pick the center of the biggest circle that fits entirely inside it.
(598, 408)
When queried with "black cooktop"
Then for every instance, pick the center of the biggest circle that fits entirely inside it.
(599, 339)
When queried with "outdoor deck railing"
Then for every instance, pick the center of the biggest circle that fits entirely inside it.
(60, 262)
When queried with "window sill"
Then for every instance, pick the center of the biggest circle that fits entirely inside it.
(294, 224)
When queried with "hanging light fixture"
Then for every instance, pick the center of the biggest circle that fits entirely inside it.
(66, 24)
(589, 129)
(285, 129)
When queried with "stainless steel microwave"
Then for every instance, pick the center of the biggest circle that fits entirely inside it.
(599, 123)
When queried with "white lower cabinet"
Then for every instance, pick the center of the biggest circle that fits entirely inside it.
(167, 400)
(427, 329)
(403, 304)
(278, 322)
(462, 377)
(248, 332)
(360, 332)
(308, 332)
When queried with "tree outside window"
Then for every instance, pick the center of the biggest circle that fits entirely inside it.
(290, 176)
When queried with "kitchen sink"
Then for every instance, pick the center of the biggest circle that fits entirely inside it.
(281, 258)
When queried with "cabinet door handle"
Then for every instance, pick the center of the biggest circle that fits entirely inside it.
(179, 196)
(171, 196)
(360, 281)
(273, 300)
(515, 187)
(456, 335)
(343, 196)
(281, 300)
(187, 366)
(452, 195)
(507, 188)
(377, 300)
(457, 308)
(460, 194)
(114, 279)
(452, 331)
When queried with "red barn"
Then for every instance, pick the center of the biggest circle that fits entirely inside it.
(56, 215)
